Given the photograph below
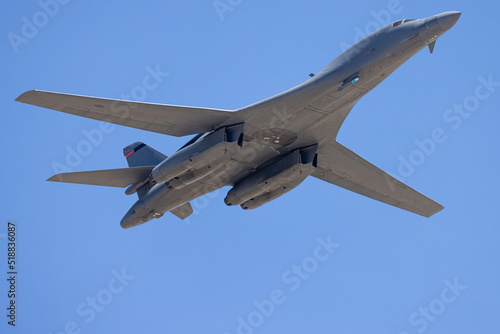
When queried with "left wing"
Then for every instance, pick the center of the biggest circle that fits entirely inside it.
(162, 118)
(340, 166)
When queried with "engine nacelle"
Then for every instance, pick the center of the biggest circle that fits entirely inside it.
(275, 193)
(274, 180)
(196, 174)
(200, 158)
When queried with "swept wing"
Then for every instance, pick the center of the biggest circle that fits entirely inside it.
(167, 119)
(342, 167)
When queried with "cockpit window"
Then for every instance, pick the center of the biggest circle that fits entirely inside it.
(400, 22)
(397, 23)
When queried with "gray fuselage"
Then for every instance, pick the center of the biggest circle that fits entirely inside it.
(308, 114)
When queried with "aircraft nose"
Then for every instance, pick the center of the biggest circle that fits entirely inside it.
(447, 20)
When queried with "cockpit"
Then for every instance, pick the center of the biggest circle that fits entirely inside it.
(400, 22)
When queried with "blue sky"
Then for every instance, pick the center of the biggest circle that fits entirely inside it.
(366, 267)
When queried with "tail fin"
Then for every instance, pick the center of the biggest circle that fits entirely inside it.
(139, 154)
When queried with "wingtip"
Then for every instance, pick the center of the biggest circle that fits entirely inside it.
(55, 178)
(438, 209)
(25, 95)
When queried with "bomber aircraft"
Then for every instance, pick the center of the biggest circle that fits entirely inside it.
(265, 149)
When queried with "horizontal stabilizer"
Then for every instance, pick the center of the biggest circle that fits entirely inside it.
(183, 211)
(161, 118)
(340, 166)
(120, 178)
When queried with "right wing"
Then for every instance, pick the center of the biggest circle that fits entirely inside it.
(167, 119)
(340, 166)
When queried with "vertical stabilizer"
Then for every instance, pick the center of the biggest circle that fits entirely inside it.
(139, 154)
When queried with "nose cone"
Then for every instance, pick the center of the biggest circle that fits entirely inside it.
(447, 20)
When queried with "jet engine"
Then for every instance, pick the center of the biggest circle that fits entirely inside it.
(197, 160)
(274, 179)
(191, 163)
